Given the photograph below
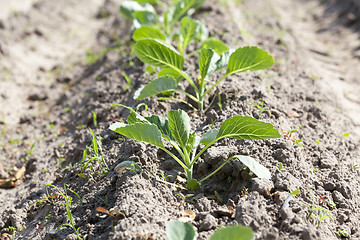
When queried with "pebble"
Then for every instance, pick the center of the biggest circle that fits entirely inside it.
(208, 223)
(344, 189)
(329, 186)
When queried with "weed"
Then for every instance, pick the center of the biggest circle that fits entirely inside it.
(342, 233)
(176, 130)
(94, 119)
(261, 108)
(91, 153)
(271, 195)
(289, 135)
(281, 166)
(128, 81)
(321, 210)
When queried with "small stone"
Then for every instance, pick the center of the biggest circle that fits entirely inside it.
(218, 154)
(284, 180)
(329, 186)
(40, 96)
(261, 185)
(327, 163)
(344, 189)
(52, 233)
(71, 237)
(208, 223)
(337, 197)
(286, 213)
(310, 233)
(281, 155)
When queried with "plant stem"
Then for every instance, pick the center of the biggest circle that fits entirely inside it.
(214, 85)
(176, 99)
(176, 159)
(189, 80)
(187, 94)
(203, 150)
(216, 170)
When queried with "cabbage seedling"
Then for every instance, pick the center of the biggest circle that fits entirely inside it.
(148, 24)
(159, 54)
(176, 131)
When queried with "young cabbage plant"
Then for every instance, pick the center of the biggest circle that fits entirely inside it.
(147, 24)
(176, 131)
(177, 230)
(159, 54)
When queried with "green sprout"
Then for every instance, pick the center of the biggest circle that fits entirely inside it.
(261, 108)
(320, 209)
(91, 153)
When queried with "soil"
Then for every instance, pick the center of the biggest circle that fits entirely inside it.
(63, 61)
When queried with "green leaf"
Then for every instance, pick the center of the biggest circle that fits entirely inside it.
(134, 117)
(148, 1)
(224, 59)
(205, 57)
(233, 232)
(141, 132)
(245, 127)
(202, 33)
(175, 74)
(159, 85)
(144, 18)
(176, 230)
(127, 8)
(162, 124)
(216, 44)
(249, 58)
(258, 169)
(191, 143)
(209, 136)
(295, 192)
(218, 62)
(193, 184)
(148, 32)
(158, 54)
(181, 9)
(179, 124)
(187, 33)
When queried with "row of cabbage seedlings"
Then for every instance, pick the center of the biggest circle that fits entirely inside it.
(162, 41)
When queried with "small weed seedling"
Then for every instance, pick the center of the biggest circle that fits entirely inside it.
(271, 195)
(342, 233)
(211, 59)
(261, 108)
(176, 131)
(320, 209)
(67, 202)
(91, 153)
(115, 215)
(288, 135)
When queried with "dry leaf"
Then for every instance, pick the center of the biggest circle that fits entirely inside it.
(186, 215)
(14, 180)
